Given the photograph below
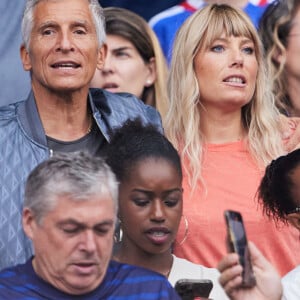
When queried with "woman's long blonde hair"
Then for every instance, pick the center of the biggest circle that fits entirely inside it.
(182, 122)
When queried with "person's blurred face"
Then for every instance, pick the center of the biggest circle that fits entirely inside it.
(124, 69)
(73, 242)
(226, 73)
(63, 49)
(150, 206)
(293, 50)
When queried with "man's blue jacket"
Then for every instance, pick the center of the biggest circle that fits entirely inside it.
(23, 145)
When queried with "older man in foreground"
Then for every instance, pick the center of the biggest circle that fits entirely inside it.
(69, 214)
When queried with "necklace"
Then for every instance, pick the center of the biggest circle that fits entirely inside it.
(90, 125)
(167, 273)
(88, 130)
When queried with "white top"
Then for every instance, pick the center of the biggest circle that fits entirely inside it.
(184, 269)
(291, 285)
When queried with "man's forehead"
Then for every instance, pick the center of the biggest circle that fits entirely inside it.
(81, 201)
(106, 221)
(94, 205)
(63, 11)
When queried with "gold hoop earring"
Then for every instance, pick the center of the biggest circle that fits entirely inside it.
(186, 231)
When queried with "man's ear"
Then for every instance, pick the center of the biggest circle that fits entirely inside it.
(101, 56)
(29, 222)
(25, 58)
(151, 78)
(294, 220)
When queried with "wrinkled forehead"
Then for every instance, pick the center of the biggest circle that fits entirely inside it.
(62, 11)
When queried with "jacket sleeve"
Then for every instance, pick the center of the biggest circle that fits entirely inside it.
(116, 109)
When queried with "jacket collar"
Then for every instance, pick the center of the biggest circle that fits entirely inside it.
(31, 122)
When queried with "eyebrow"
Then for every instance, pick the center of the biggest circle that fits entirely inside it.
(164, 192)
(247, 40)
(83, 23)
(243, 41)
(122, 48)
(80, 224)
(54, 24)
(47, 24)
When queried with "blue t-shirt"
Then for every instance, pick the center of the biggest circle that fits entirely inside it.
(121, 282)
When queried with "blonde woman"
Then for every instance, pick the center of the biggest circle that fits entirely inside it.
(223, 120)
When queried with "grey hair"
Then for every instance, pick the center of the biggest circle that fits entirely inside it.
(75, 175)
(95, 9)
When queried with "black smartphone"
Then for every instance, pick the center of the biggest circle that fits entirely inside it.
(190, 289)
(237, 242)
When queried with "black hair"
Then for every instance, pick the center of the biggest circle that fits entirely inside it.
(275, 190)
(134, 142)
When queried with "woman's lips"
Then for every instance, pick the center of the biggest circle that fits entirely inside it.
(158, 236)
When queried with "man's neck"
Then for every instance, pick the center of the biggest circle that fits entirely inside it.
(64, 116)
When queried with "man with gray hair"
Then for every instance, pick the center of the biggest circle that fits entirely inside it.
(69, 214)
(63, 43)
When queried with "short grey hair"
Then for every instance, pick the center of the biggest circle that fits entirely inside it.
(95, 9)
(77, 175)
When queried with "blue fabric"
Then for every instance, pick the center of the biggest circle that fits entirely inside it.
(15, 82)
(122, 282)
(23, 145)
(255, 12)
(140, 6)
(166, 27)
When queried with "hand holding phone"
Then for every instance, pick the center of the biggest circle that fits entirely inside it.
(190, 289)
(237, 242)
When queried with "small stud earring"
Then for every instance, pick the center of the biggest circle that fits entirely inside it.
(148, 82)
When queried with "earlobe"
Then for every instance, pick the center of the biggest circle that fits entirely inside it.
(101, 56)
(151, 78)
(280, 56)
(25, 58)
(28, 222)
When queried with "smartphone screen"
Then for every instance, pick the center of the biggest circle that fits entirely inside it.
(237, 242)
(190, 289)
